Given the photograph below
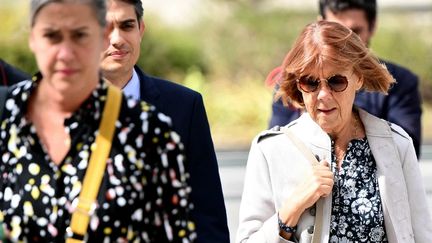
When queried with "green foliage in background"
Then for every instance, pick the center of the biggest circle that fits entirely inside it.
(406, 38)
(227, 55)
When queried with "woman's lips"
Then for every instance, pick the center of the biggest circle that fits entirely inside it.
(67, 72)
(326, 111)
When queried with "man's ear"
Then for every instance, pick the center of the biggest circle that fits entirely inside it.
(319, 17)
(142, 28)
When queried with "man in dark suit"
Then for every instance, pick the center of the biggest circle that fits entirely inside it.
(183, 105)
(10, 75)
(401, 106)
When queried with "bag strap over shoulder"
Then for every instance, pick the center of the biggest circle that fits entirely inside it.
(319, 206)
(96, 168)
(301, 146)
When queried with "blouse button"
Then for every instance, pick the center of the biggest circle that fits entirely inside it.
(310, 230)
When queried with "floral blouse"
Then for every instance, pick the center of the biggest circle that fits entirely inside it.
(143, 196)
(357, 214)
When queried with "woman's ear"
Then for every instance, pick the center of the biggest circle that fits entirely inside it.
(31, 42)
(359, 83)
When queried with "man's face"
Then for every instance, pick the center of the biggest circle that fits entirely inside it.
(125, 33)
(355, 19)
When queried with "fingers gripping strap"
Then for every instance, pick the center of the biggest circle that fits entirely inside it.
(96, 168)
(319, 204)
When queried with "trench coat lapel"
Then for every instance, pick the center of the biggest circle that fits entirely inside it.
(389, 171)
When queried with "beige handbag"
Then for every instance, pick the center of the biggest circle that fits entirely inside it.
(316, 238)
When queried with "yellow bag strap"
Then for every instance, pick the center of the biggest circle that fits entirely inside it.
(319, 206)
(96, 168)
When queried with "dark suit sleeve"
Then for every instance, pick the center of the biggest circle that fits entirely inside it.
(209, 208)
(404, 105)
(10, 75)
(282, 115)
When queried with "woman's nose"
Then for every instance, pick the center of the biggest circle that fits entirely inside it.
(324, 90)
(65, 52)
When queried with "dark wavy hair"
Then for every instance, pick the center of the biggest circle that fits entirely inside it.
(139, 10)
(336, 6)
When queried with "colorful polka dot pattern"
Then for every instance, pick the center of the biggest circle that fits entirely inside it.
(144, 195)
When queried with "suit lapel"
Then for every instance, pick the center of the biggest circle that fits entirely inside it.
(149, 91)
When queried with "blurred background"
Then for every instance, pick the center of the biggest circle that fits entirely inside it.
(224, 49)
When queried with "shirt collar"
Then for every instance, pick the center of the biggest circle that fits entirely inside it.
(132, 88)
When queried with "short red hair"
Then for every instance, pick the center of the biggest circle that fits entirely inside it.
(325, 43)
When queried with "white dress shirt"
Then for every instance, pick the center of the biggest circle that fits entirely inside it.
(132, 88)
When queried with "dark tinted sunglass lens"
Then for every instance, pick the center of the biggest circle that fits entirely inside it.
(338, 83)
(308, 84)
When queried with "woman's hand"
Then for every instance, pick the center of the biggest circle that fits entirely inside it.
(318, 183)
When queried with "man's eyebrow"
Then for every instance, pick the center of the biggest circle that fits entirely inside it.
(128, 21)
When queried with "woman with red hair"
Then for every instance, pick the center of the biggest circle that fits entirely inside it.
(367, 186)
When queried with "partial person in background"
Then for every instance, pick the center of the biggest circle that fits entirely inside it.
(368, 182)
(401, 106)
(50, 130)
(10, 75)
(126, 29)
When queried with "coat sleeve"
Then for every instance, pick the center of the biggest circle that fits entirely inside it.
(258, 216)
(209, 206)
(404, 104)
(420, 215)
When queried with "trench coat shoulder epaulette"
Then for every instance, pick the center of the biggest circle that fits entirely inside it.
(276, 130)
(398, 130)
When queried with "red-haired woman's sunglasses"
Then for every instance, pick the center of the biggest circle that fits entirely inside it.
(336, 83)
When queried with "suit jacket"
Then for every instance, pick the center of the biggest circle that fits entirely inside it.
(276, 167)
(401, 106)
(10, 75)
(186, 109)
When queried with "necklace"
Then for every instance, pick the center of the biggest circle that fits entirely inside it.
(356, 126)
(355, 134)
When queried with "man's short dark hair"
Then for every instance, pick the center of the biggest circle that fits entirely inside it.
(336, 6)
(139, 10)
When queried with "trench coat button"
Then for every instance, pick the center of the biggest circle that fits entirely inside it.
(310, 230)
(312, 211)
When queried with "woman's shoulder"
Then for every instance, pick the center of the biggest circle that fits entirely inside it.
(297, 127)
(379, 127)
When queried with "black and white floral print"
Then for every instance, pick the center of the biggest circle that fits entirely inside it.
(143, 196)
(357, 214)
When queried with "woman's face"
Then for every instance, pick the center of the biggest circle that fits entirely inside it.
(332, 110)
(67, 41)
